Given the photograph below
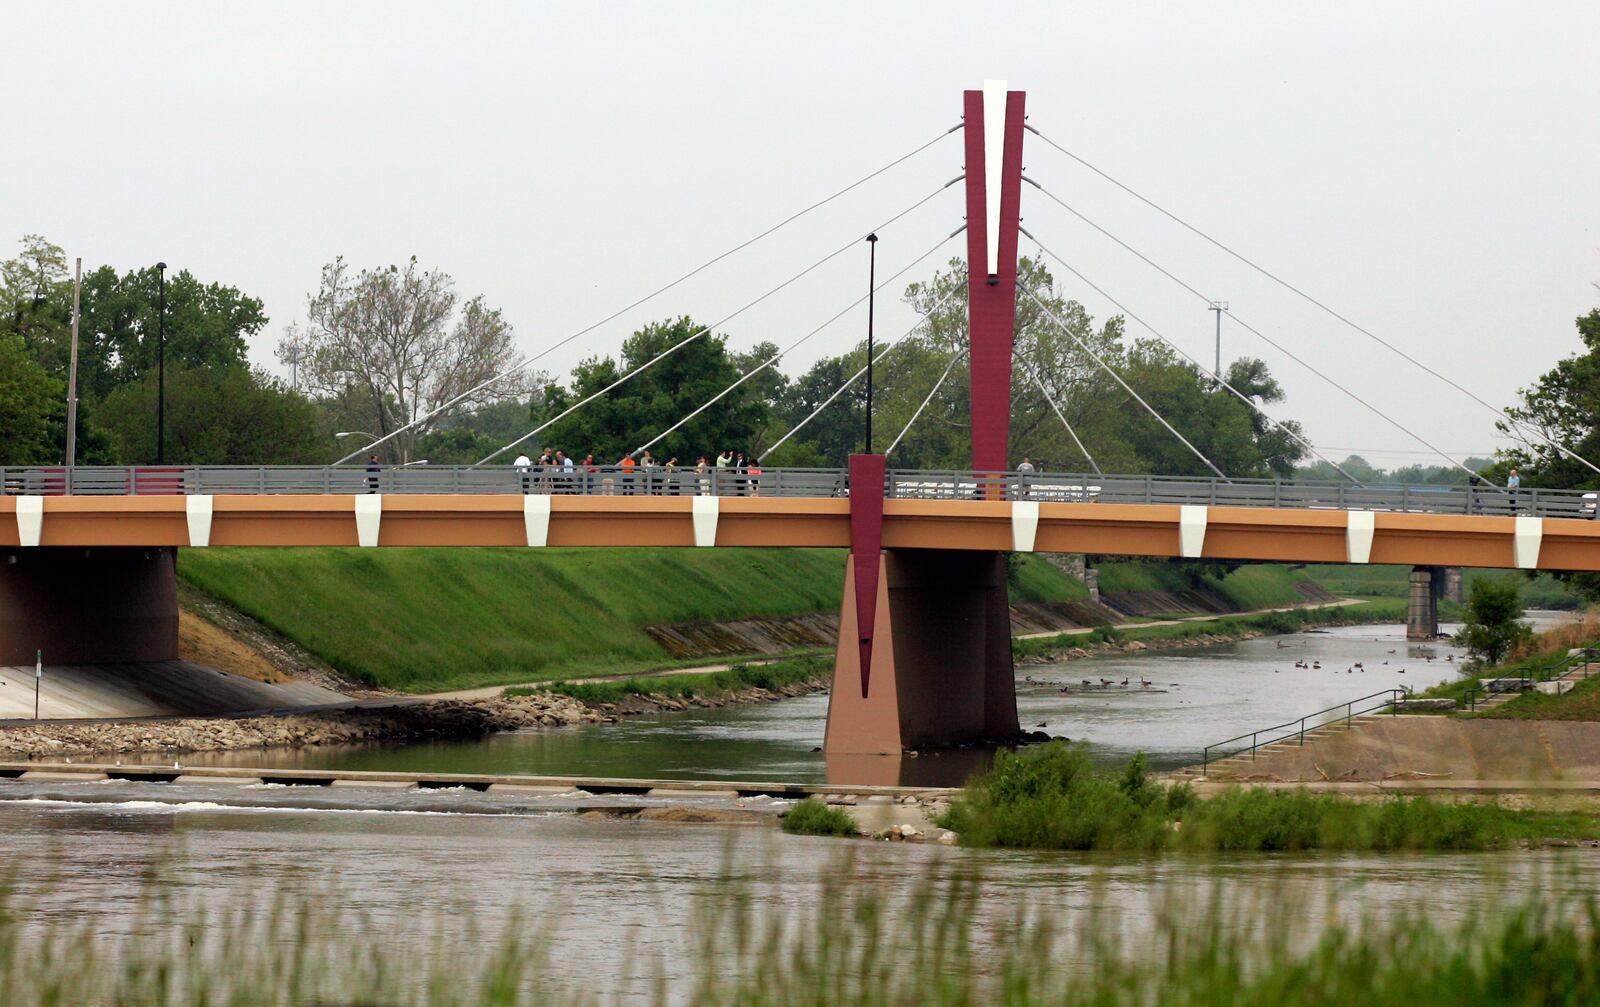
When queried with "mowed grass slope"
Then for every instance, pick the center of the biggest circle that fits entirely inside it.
(434, 619)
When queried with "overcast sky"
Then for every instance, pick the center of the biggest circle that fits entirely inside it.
(1430, 170)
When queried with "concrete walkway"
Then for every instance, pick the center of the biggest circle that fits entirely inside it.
(163, 688)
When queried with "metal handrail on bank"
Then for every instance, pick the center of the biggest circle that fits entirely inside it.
(1391, 696)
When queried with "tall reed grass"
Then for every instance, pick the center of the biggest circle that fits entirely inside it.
(847, 940)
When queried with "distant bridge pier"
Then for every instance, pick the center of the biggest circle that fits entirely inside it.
(1428, 585)
(103, 605)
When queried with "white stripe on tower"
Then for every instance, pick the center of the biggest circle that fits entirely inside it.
(994, 151)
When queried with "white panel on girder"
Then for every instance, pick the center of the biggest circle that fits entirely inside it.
(994, 151)
(369, 513)
(1358, 531)
(198, 509)
(1529, 535)
(1024, 524)
(1191, 530)
(30, 519)
(706, 511)
(536, 519)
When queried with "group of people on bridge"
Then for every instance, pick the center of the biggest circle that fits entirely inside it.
(556, 472)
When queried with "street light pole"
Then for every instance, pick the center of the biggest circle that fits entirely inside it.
(161, 366)
(872, 283)
(72, 371)
(1219, 307)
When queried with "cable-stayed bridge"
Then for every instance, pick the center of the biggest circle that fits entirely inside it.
(924, 651)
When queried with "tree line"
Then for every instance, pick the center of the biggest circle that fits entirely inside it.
(398, 350)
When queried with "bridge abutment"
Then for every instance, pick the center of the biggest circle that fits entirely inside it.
(88, 606)
(941, 668)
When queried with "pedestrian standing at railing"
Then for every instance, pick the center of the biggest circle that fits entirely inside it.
(1513, 483)
(669, 473)
(755, 476)
(701, 483)
(1025, 476)
(521, 465)
(373, 468)
(627, 465)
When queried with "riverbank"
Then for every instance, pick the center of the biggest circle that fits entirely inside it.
(420, 621)
(1178, 634)
(342, 725)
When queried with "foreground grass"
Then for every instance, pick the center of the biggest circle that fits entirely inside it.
(1289, 621)
(812, 817)
(773, 675)
(834, 941)
(1053, 797)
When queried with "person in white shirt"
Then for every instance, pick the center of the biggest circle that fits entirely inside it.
(521, 465)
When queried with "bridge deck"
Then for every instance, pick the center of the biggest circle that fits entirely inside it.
(1284, 533)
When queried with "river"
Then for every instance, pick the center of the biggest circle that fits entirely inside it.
(1196, 697)
(618, 897)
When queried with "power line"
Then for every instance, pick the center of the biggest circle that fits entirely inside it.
(785, 351)
(684, 342)
(522, 365)
(1125, 387)
(1247, 400)
(1275, 278)
(1249, 328)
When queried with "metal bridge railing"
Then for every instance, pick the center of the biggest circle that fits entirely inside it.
(899, 484)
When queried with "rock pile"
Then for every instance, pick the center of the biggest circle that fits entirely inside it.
(443, 719)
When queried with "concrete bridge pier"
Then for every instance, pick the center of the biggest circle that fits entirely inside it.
(1428, 585)
(88, 606)
(940, 670)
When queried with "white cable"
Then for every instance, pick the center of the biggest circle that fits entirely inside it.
(1071, 432)
(522, 365)
(1305, 296)
(679, 345)
(1263, 336)
(785, 351)
(1247, 400)
(1125, 387)
(854, 377)
(935, 391)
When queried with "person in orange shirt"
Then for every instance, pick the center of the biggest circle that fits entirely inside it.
(627, 466)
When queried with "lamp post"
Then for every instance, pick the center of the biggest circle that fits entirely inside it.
(872, 283)
(161, 364)
(1219, 307)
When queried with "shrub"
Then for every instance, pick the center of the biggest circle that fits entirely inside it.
(812, 817)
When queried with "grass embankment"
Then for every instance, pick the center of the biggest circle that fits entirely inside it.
(1541, 656)
(428, 620)
(1053, 797)
(1262, 623)
(933, 940)
(1541, 591)
(774, 675)
(812, 817)
(424, 620)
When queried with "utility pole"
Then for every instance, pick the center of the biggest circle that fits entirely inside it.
(72, 371)
(1219, 307)
(161, 367)
(872, 283)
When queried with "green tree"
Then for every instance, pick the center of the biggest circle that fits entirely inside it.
(655, 399)
(215, 416)
(31, 406)
(1493, 626)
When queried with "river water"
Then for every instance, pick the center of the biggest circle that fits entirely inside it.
(1196, 697)
(617, 897)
